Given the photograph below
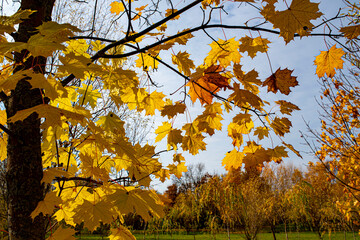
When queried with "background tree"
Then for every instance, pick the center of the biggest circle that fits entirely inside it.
(337, 145)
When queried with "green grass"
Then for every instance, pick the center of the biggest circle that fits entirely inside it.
(223, 236)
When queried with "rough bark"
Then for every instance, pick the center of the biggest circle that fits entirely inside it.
(24, 162)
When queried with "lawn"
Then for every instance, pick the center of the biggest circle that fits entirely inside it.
(223, 236)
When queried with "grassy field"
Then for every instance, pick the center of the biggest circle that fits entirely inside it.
(223, 236)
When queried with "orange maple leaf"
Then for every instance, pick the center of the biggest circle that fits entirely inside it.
(205, 83)
(327, 61)
(281, 80)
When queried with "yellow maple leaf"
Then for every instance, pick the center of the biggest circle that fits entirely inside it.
(112, 123)
(233, 159)
(295, 19)
(3, 147)
(184, 63)
(162, 131)
(182, 40)
(121, 233)
(93, 213)
(62, 234)
(88, 95)
(281, 80)
(116, 7)
(145, 203)
(235, 131)
(261, 132)
(328, 61)
(50, 174)
(170, 11)
(47, 205)
(152, 102)
(249, 80)
(276, 154)
(147, 61)
(52, 114)
(178, 169)
(7, 22)
(162, 174)
(253, 45)
(193, 143)
(224, 52)
(351, 32)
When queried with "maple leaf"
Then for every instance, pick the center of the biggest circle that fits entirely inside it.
(289, 146)
(242, 97)
(171, 11)
(201, 88)
(171, 110)
(111, 122)
(162, 174)
(52, 114)
(7, 22)
(94, 213)
(62, 234)
(182, 40)
(249, 80)
(233, 159)
(235, 131)
(295, 19)
(184, 63)
(255, 156)
(88, 95)
(286, 107)
(128, 199)
(210, 119)
(178, 169)
(328, 61)
(261, 132)
(223, 52)
(253, 45)
(276, 154)
(193, 143)
(152, 102)
(47, 206)
(174, 138)
(121, 233)
(147, 61)
(351, 32)
(116, 7)
(281, 125)
(281, 80)
(162, 131)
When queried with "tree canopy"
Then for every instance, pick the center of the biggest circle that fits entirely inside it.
(63, 89)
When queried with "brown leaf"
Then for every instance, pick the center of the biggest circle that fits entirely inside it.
(281, 80)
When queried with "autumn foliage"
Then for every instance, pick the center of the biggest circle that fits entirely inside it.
(80, 83)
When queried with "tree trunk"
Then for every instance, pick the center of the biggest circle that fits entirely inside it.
(273, 231)
(24, 162)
